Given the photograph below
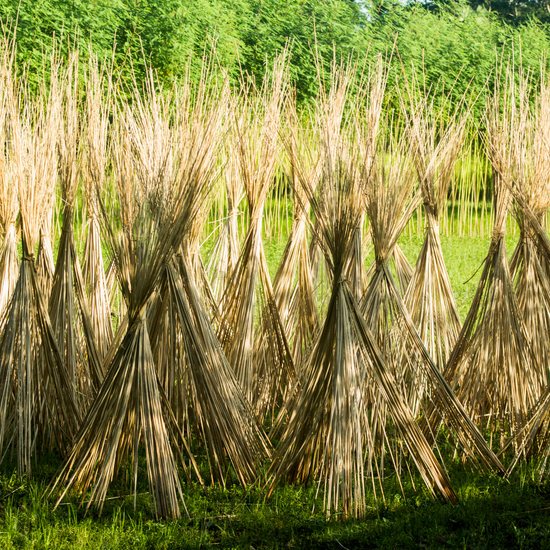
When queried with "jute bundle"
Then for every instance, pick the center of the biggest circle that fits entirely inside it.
(492, 367)
(37, 406)
(391, 198)
(436, 143)
(332, 432)
(95, 135)
(157, 206)
(9, 257)
(261, 358)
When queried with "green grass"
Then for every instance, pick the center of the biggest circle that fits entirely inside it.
(492, 512)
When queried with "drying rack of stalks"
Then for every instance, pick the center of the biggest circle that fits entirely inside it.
(187, 272)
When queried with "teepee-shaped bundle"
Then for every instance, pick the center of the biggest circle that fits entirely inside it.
(391, 199)
(9, 257)
(158, 203)
(224, 255)
(531, 261)
(390, 206)
(435, 145)
(68, 306)
(529, 173)
(293, 283)
(261, 358)
(96, 159)
(202, 388)
(492, 368)
(200, 385)
(37, 405)
(296, 301)
(330, 429)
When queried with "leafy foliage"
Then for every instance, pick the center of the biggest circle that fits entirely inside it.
(456, 42)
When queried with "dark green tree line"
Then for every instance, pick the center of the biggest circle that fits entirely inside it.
(454, 44)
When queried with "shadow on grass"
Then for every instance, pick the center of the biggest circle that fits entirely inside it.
(493, 513)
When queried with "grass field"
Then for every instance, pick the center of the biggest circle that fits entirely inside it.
(492, 513)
